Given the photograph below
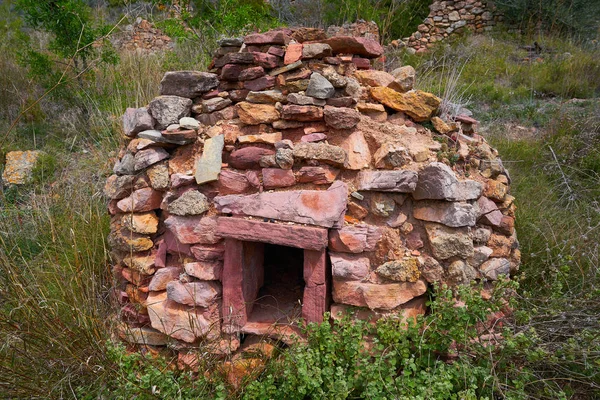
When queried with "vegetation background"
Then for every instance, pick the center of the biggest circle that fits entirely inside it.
(63, 93)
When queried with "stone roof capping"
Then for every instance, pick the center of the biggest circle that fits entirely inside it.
(294, 160)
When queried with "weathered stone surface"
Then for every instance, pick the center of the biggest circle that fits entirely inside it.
(270, 37)
(150, 156)
(315, 50)
(319, 87)
(284, 158)
(287, 68)
(234, 58)
(201, 294)
(417, 104)
(144, 335)
(404, 270)
(403, 181)
(349, 266)
(488, 212)
(408, 311)
(208, 165)
(179, 321)
(158, 174)
(359, 155)
(231, 182)
(248, 157)
(430, 269)
(262, 83)
(373, 77)
(304, 237)
(446, 242)
(355, 45)
(188, 84)
(460, 273)
(302, 100)
(322, 175)
(480, 255)
(168, 110)
(404, 78)
(338, 81)
(302, 113)
(157, 137)
(341, 117)
(19, 166)
(354, 238)
(144, 223)
(391, 155)
(143, 263)
(437, 181)
(265, 97)
(442, 127)
(447, 213)
(136, 120)
(194, 229)
(208, 252)
(293, 53)
(495, 190)
(321, 152)
(376, 296)
(191, 202)
(204, 270)
(265, 60)
(117, 187)
(315, 207)
(124, 240)
(313, 137)
(254, 114)
(267, 138)
(146, 199)
(214, 104)
(251, 73)
(163, 276)
(276, 178)
(382, 205)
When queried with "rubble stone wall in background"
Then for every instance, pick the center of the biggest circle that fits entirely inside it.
(293, 139)
(450, 18)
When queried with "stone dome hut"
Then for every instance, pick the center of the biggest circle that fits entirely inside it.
(291, 180)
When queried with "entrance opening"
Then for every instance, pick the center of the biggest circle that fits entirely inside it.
(279, 300)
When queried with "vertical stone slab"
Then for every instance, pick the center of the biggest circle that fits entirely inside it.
(234, 307)
(243, 276)
(208, 165)
(315, 302)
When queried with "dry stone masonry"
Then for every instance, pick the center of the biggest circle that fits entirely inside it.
(291, 180)
(449, 18)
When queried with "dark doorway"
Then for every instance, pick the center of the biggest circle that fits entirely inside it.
(280, 298)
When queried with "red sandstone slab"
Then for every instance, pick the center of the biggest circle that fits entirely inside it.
(315, 207)
(304, 237)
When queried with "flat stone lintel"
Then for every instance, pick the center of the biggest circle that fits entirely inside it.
(303, 237)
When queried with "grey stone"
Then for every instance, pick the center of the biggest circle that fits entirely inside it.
(448, 242)
(125, 166)
(230, 42)
(188, 84)
(447, 213)
(319, 87)
(403, 181)
(495, 267)
(214, 104)
(158, 137)
(302, 100)
(191, 202)
(284, 158)
(337, 80)
(349, 266)
(208, 166)
(382, 205)
(321, 152)
(480, 255)
(460, 273)
(188, 123)
(286, 68)
(150, 156)
(437, 181)
(136, 120)
(316, 50)
(168, 110)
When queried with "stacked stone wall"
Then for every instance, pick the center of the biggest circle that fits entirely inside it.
(293, 139)
(450, 18)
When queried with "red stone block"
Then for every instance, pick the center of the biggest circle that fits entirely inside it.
(266, 60)
(275, 178)
(261, 83)
(361, 63)
(293, 53)
(248, 157)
